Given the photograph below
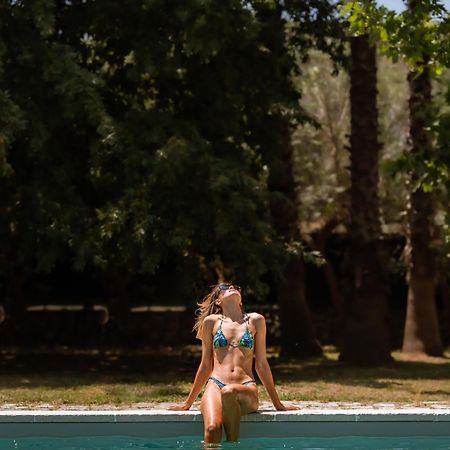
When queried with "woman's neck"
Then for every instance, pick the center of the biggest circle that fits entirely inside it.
(233, 311)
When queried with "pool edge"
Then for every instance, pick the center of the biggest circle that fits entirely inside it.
(265, 423)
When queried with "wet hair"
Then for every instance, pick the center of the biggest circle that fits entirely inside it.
(207, 307)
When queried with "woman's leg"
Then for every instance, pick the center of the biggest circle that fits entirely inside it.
(211, 408)
(237, 400)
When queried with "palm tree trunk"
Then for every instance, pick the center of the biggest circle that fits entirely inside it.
(366, 335)
(422, 334)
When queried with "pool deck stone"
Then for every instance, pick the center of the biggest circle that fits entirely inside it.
(308, 412)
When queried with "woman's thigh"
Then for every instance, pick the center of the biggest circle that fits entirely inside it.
(211, 404)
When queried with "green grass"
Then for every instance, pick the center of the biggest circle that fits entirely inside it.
(123, 378)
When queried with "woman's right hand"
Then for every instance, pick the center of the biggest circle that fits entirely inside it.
(179, 407)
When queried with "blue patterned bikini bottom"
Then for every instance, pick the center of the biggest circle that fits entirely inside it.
(221, 385)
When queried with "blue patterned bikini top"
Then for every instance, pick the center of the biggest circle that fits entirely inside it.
(246, 340)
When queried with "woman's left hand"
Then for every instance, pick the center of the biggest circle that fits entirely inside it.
(179, 407)
(282, 407)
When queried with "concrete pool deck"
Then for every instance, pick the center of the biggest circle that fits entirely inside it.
(156, 421)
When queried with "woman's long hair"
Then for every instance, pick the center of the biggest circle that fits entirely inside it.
(205, 308)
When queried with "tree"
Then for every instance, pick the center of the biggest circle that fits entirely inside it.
(49, 120)
(129, 152)
(419, 36)
(422, 333)
(152, 119)
(367, 318)
(298, 337)
(320, 158)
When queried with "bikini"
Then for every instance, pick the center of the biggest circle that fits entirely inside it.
(246, 341)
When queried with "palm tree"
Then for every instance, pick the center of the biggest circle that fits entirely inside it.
(366, 335)
(422, 334)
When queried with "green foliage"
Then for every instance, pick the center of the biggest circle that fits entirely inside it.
(440, 171)
(419, 35)
(393, 119)
(139, 139)
(11, 123)
(320, 147)
(315, 24)
(297, 248)
(187, 145)
(52, 111)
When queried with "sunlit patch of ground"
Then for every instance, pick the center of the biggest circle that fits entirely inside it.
(121, 378)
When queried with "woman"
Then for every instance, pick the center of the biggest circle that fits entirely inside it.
(229, 338)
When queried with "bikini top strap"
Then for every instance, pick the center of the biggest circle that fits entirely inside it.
(246, 320)
(221, 321)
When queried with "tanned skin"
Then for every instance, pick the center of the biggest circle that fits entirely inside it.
(232, 366)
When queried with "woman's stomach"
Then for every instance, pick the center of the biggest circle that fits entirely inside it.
(233, 368)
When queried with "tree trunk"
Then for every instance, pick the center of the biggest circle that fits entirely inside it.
(318, 242)
(366, 334)
(298, 336)
(445, 296)
(422, 334)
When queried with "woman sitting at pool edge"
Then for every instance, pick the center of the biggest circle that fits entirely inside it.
(229, 338)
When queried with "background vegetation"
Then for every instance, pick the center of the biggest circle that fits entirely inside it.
(149, 149)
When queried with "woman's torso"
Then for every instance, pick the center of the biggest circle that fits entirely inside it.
(233, 362)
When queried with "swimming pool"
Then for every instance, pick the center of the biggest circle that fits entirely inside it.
(195, 443)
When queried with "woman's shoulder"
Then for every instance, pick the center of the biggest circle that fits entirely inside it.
(209, 322)
(212, 318)
(256, 317)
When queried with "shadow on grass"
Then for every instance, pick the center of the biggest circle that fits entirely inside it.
(166, 367)
(331, 370)
(437, 392)
(72, 368)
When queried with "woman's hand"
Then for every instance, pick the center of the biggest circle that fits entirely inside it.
(282, 407)
(179, 407)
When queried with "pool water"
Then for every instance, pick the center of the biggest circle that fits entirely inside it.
(195, 442)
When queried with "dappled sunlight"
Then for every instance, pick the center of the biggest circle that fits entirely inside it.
(129, 378)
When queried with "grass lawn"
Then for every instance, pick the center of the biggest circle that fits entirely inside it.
(124, 378)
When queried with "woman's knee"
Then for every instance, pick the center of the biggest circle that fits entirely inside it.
(228, 392)
(213, 429)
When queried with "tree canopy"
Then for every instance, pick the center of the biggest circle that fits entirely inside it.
(136, 138)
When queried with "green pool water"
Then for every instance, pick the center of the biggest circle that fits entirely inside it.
(190, 443)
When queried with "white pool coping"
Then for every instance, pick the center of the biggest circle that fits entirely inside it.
(418, 421)
(163, 415)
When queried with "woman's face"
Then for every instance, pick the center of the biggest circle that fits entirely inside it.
(228, 290)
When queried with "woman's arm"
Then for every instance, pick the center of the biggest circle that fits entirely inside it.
(262, 365)
(204, 369)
